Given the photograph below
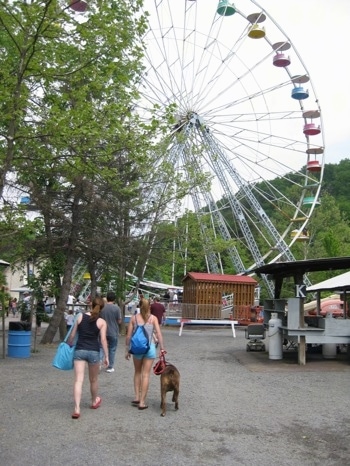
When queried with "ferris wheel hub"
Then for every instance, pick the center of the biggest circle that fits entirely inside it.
(189, 118)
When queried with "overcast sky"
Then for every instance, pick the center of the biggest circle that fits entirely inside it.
(319, 29)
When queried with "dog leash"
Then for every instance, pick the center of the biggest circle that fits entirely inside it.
(161, 364)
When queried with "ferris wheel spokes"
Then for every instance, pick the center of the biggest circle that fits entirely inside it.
(195, 128)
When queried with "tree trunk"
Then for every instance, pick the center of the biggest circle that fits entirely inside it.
(58, 315)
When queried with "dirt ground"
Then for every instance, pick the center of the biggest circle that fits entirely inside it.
(236, 408)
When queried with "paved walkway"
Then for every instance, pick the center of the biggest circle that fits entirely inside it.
(236, 408)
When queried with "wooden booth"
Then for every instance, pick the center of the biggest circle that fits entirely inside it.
(207, 295)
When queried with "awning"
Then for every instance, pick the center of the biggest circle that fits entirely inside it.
(340, 282)
(23, 289)
(157, 285)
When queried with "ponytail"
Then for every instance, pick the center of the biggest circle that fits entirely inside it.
(97, 306)
(144, 308)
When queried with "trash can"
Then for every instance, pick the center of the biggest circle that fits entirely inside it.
(19, 339)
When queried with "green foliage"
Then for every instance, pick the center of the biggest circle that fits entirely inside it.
(72, 140)
(328, 230)
(336, 182)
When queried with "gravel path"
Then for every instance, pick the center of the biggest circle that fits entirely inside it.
(236, 408)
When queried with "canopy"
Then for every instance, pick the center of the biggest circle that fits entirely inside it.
(157, 285)
(22, 289)
(340, 282)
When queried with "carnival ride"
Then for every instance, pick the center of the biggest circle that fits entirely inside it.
(331, 305)
(242, 110)
(245, 113)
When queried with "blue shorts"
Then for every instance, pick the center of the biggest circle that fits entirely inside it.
(151, 353)
(91, 357)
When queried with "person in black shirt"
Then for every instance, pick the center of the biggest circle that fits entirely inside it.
(91, 330)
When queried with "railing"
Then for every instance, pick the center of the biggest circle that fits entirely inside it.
(80, 307)
(192, 311)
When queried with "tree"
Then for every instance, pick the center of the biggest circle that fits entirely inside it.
(68, 117)
(81, 151)
(329, 234)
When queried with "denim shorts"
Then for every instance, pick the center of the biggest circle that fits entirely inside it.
(91, 357)
(151, 353)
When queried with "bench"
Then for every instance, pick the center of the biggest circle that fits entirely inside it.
(208, 322)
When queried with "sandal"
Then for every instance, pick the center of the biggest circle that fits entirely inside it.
(97, 404)
(135, 403)
(75, 415)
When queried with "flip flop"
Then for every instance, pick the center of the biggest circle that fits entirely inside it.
(143, 407)
(75, 415)
(135, 403)
(97, 404)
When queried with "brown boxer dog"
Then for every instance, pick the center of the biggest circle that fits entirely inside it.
(169, 382)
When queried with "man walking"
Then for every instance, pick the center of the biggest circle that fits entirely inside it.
(111, 313)
(158, 310)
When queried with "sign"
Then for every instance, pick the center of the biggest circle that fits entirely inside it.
(300, 291)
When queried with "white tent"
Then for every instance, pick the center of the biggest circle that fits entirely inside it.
(160, 286)
(340, 282)
(22, 289)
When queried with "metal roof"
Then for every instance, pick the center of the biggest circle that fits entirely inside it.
(217, 277)
(278, 271)
(340, 282)
(290, 269)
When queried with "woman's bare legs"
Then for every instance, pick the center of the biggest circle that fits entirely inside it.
(137, 378)
(79, 370)
(145, 375)
(94, 370)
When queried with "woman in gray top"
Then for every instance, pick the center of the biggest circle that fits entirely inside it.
(143, 362)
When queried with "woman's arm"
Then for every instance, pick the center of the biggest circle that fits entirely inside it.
(74, 330)
(128, 336)
(102, 325)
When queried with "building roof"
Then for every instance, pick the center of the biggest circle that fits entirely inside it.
(340, 282)
(220, 278)
(297, 269)
(289, 269)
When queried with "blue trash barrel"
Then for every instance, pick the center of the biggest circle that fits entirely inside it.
(19, 340)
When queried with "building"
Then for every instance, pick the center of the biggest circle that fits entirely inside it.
(209, 295)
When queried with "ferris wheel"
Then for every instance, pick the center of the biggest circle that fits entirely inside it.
(245, 114)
